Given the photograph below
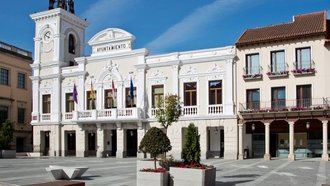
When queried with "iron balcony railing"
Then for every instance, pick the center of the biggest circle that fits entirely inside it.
(301, 69)
(285, 105)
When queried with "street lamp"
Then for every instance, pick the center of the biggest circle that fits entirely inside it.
(253, 127)
(307, 127)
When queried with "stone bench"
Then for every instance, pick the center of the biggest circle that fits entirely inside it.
(68, 173)
(60, 183)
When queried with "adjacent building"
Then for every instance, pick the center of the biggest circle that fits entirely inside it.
(103, 104)
(16, 94)
(283, 92)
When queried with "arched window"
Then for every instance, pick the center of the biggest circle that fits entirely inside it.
(72, 47)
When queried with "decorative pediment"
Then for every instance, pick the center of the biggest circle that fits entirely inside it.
(189, 71)
(111, 40)
(157, 78)
(215, 69)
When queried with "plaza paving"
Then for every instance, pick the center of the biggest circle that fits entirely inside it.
(110, 171)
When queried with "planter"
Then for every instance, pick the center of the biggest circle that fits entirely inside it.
(8, 154)
(152, 178)
(193, 177)
(146, 164)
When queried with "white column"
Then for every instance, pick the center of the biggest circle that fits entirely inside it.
(175, 76)
(120, 94)
(81, 150)
(99, 97)
(325, 155)
(57, 137)
(36, 110)
(229, 106)
(291, 140)
(37, 51)
(121, 141)
(267, 136)
(81, 93)
(202, 130)
(141, 88)
(56, 100)
(240, 141)
(100, 141)
(141, 132)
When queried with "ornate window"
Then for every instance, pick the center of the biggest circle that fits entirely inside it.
(69, 102)
(46, 101)
(110, 99)
(129, 102)
(91, 100)
(72, 47)
(215, 92)
(157, 94)
(190, 94)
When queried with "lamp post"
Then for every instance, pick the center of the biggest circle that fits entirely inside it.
(253, 127)
(307, 127)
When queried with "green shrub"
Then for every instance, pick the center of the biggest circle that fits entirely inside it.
(155, 142)
(191, 151)
(6, 136)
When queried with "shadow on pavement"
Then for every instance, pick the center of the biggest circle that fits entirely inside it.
(242, 176)
(230, 183)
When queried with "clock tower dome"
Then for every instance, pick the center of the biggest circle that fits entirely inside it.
(59, 35)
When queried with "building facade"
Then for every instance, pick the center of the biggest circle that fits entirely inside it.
(16, 94)
(283, 92)
(103, 104)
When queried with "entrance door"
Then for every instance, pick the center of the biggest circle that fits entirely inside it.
(46, 150)
(71, 143)
(222, 142)
(91, 144)
(19, 144)
(113, 142)
(273, 144)
(131, 137)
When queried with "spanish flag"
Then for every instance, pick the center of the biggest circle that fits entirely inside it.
(93, 97)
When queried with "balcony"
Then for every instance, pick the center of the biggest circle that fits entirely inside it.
(215, 109)
(297, 107)
(252, 73)
(189, 111)
(45, 117)
(272, 73)
(107, 115)
(301, 71)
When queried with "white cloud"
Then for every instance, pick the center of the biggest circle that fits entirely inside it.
(107, 12)
(192, 24)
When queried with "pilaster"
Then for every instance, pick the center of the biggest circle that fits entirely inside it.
(121, 141)
(81, 150)
(240, 141)
(100, 141)
(291, 156)
(325, 155)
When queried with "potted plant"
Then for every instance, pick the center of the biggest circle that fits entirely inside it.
(191, 171)
(154, 142)
(6, 138)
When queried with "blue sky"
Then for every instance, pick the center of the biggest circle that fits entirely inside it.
(162, 25)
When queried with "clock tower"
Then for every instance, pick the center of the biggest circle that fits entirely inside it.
(59, 36)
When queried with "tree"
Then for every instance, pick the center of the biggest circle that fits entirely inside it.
(168, 111)
(6, 136)
(191, 151)
(155, 142)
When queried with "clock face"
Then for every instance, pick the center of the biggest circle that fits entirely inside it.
(47, 36)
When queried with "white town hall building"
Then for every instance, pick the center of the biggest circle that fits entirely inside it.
(109, 122)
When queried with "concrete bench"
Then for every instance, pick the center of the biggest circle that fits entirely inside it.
(60, 183)
(68, 173)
